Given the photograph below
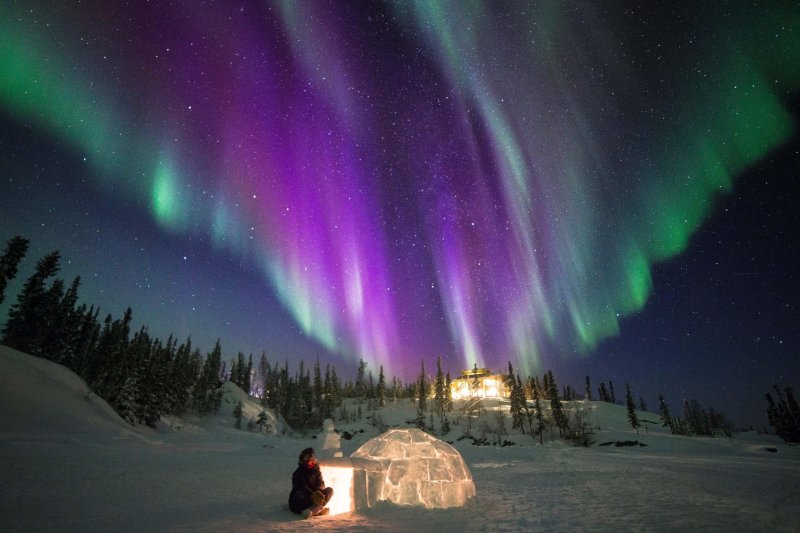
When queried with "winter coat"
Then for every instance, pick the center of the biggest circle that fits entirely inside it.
(305, 480)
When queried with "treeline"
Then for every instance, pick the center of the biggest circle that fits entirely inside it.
(144, 378)
(141, 378)
(307, 397)
(696, 420)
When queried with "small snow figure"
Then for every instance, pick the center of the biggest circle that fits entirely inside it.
(309, 495)
(331, 441)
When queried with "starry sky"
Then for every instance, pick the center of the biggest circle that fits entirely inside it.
(592, 188)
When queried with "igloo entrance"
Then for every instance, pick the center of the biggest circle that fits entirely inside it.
(410, 467)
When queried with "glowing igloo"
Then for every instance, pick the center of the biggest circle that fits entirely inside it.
(410, 467)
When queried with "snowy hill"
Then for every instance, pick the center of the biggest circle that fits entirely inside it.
(44, 399)
(68, 463)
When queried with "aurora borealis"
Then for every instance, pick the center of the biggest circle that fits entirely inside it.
(485, 181)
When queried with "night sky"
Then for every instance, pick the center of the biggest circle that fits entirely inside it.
(585, 187)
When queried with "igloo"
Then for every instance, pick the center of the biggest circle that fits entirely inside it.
(410, 467)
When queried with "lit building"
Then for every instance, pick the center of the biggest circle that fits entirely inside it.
(479, 383)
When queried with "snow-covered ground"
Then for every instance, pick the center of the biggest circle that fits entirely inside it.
(68, 463)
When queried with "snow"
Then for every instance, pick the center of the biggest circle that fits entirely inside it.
(330, 442)
(69, 463)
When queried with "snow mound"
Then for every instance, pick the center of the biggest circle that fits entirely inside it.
(410, 467)
(254, 418)
(42, 398)
(252, 411)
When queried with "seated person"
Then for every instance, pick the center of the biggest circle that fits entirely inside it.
(309, 495)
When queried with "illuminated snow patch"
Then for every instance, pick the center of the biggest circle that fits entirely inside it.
(338, 474)
(410, 467)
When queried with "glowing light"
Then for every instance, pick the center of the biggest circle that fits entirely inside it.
(339, 476)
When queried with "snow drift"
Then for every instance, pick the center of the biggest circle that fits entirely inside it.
(43, 398)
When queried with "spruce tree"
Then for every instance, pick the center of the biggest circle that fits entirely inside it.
(527, 415)
(602, 391)
(327, 394)
(422, 394)
(262, 378)
(182, 378)
(336, 388)
(632, 418)
(360, 385)
(28, 318)
(515, 401)
(14, 252)
(109, 364)
(560, 419)
(540, 425)
(784, 415)
(232, 376)
(793, 408)
(380, 389)
(65, 337)
(86, 341)
(317, 393)
(666, 417)
(208, 394)
(440, 398)
(241, 369)
(588, 389)
(448, 391)
(247, 381)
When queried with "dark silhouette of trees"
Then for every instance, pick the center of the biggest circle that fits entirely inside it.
(26, 328)
(666, 417)
(560, 419)
(422, 395)
(516, 400)
(14, 252)
(143, 378)
(632, 418)
(380, 389)
(540, 424)
(440, 398)
(784, 415)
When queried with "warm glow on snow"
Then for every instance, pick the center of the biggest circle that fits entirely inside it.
(341, 479)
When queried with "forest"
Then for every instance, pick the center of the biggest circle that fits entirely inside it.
(144, 378)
